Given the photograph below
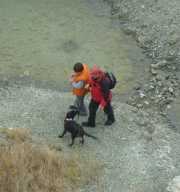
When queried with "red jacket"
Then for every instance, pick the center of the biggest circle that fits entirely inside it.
(100, 91)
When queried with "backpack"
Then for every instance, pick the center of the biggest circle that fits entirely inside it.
(112, 79)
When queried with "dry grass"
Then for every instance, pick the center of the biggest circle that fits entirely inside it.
(17, 134)
(27, 167)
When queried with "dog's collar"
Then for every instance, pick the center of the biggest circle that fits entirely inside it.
(65, 120)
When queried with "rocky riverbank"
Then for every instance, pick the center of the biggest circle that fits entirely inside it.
(155, 26)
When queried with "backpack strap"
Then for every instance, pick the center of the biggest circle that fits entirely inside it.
(104, 78)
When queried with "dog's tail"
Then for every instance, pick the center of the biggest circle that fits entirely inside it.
(88, 135)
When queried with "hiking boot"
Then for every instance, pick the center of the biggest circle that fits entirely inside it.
(73, 107)
(87, 124)
(109, 122)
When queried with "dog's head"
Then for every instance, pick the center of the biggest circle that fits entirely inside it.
(71, 114)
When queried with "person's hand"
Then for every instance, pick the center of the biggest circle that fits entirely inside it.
(72, 75)
(101, 107)
(71, 79)
(86, 86)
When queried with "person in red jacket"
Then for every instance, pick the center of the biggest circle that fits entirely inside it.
(101, 97)
(78, 81)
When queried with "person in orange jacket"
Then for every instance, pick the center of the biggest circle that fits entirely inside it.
(78, 81)
(101, 97)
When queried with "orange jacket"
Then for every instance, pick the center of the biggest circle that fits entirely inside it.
(79, 77)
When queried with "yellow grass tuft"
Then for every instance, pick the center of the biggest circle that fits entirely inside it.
(17, 134)
(56, 146)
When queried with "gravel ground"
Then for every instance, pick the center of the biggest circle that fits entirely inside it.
(137, 153)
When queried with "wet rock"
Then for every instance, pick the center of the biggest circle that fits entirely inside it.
(141, 40)
(159, 83)
(146, 102)
(116, 7)
(170, 90)
(153, 79)
(142, 95)
(153, 72)
(127, 30)
(167, 76)
(172, 40)
(139, 106)
(145, 88)
(159, 65)
(116, 15)
(151, 87)
(174, 185)
(135, 110)
(151, 128)
(170, 99)
(137, 86)
(158, 78)
(177, 95)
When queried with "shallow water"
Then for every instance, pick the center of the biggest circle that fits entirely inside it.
(43, 40)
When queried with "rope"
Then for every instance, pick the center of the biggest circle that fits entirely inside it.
(66, 63)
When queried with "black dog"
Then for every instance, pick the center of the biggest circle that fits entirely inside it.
(74, 128)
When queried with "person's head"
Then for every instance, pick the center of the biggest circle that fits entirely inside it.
(94, 72)
(78, 67)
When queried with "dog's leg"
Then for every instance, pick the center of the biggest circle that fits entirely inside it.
(82, 141)
(73, 137)
(60, 136)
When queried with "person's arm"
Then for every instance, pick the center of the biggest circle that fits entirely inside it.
(78, 85)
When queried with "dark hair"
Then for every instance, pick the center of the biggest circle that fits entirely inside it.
(78, 67)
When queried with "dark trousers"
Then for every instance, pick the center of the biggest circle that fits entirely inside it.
(93, 106)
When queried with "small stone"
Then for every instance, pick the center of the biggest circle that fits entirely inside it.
(146, 102)
(153, 72)
(139, 106)
(170, 90)
(26, 72)
(159, 65)
(143, 6)
(127, 30)
(142, 95)
(137, 87)
(151, 87)
(151, 128)
(168, 106)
